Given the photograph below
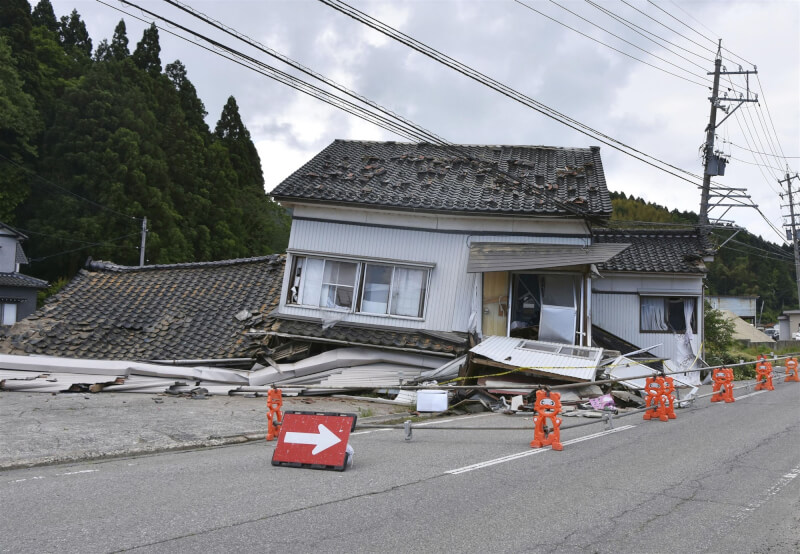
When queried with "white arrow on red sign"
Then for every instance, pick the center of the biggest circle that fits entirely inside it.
(321, 441)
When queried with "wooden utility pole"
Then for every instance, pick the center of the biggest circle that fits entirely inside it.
(709, 146)
(793, 228)
(144, 239)
(714, 164)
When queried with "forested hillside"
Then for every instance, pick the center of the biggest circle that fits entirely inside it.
(745, 265)
(92, 140)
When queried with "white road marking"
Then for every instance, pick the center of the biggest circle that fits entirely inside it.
(770, 492)
(38, 477)
(751, 394)
(481, 465)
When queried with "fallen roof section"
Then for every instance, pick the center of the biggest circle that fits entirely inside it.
(547, 359)
(187, 311)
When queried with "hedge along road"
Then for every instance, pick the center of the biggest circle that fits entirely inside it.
(719, 477)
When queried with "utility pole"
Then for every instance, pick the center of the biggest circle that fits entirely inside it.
(144, 239)
(793, 227)
(714, 164)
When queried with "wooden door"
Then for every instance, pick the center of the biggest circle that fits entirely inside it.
(495, 303)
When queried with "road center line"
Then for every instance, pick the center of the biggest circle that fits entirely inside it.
(481, 465)
(751, 394)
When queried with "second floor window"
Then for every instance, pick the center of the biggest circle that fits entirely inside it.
(364, 287)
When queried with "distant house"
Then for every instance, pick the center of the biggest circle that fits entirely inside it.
(194, 312)
(417, 246)
(745, 307)
(17, 291)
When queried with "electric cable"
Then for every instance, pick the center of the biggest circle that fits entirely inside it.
(427, 137)
(531, 8)
(103, 243)
(644, 32)
(67, 191)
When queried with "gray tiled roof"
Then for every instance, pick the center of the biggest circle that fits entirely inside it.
(19, 255)
(414, 339)
(20, 280)
(182, 311)
(660, 251)
(424, 177)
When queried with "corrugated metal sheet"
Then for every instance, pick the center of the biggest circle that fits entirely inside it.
(544, 357)
(520, 257)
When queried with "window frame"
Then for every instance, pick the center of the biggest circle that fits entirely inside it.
(666, 298)
(359, 284)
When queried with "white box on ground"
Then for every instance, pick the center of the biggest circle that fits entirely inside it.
(431, 400)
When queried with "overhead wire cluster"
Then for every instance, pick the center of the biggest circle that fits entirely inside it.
(366, 109)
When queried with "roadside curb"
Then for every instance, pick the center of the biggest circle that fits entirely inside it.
(132, 452)
(78, 457)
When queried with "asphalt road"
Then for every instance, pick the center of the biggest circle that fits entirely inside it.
(719, 478)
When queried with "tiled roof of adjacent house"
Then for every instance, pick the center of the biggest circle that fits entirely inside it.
(660, 251)
(364, 335)
(521, 180)
(20, 280)
(183, 311)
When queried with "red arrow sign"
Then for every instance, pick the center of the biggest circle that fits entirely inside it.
(313, 439)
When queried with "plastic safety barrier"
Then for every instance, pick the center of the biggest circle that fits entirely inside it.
(659, 399)
(764, 374)
(547, 408)
(723, 385)
(274, 415)
(791, 370)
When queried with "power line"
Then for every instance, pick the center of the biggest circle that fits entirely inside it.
(67, 191)
(764, 98)
(611, 47)
(434, 54)
(713, 41)
(407, 126)
(757, 152)
(641, 31)
(684, 23)
(474, 74)
(104, 243)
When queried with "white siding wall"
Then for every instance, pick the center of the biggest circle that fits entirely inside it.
(8, 254)
(451, 290)
(618, 312)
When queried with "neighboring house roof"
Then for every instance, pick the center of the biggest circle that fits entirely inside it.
(365, 335)
(540, 180)
(11, 231)
(20, 280)
(659, 251)
(19, 255)
(743, 330)
(181, 311)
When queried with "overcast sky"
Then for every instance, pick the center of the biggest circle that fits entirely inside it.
(659, 114)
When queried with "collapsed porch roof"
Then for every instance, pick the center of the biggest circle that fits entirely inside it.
(492, 256)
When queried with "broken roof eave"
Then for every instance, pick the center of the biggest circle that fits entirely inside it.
(340, 342)
(491, 256)
(288, 202)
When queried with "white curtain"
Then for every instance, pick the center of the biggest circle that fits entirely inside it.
(653, 314)
(377, 282)
(311, 288)
(408, 290)
(559, 290)
(688, 311)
